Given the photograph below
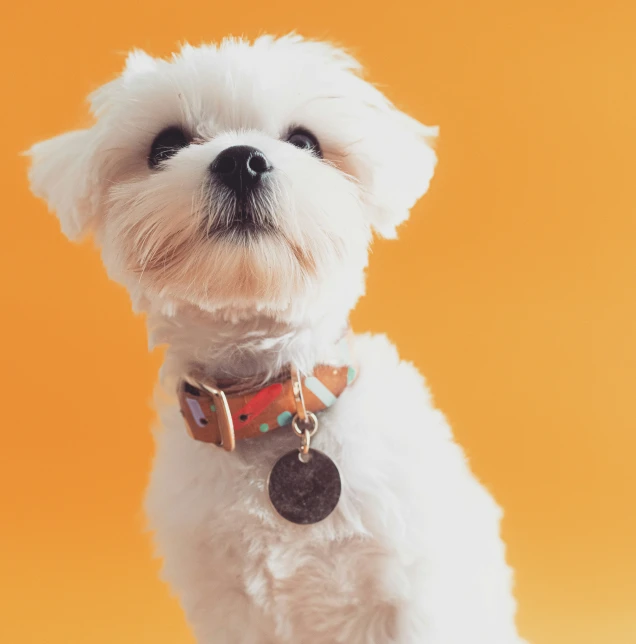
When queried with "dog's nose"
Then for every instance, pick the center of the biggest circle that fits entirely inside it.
(240, 167)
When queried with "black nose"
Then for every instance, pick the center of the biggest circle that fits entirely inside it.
(240, 167)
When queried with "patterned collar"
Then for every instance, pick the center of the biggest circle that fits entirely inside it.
(216, 416)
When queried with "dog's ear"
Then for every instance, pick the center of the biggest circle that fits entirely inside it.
(396, 165)
(63, 174)
(66, 170)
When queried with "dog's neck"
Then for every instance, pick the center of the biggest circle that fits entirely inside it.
(254, 346)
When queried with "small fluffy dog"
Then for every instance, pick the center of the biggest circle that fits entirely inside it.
(234, 190)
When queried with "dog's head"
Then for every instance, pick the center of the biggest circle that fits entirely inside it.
(243, 176)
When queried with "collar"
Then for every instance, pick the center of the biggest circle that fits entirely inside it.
(218, 415)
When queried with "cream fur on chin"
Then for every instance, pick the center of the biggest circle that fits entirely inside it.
(234, 191)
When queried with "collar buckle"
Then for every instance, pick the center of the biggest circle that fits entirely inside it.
(224, 415)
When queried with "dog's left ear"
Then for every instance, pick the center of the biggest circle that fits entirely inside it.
(396, 164)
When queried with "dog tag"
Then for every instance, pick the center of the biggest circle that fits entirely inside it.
(304, 492)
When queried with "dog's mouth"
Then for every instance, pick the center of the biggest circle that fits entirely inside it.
(243, 223)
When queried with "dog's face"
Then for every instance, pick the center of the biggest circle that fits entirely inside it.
(244, 176)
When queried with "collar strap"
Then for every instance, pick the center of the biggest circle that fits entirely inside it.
(214, 415)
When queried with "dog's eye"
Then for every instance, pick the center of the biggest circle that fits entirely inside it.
(166, 144)
(305, 140)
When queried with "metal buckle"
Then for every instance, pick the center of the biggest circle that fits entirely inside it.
(297, 390)
(304, 423)
(226, 424)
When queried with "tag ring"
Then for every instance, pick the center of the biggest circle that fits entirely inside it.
(310, 425)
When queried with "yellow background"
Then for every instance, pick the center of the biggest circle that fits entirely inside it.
(512, 288)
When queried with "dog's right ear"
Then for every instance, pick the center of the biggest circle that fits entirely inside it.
(63, 173)
(66, 170)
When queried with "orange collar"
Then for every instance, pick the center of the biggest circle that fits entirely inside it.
(214, 416)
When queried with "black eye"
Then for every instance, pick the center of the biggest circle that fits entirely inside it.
(166, 144)
(305, 140)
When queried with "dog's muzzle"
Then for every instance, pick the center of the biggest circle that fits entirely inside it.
(241, 169)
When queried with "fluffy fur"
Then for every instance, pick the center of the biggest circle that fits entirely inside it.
(412, 553)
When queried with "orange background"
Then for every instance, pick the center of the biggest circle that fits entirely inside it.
(512, 288)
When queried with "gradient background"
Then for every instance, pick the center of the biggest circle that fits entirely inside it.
(512, 288)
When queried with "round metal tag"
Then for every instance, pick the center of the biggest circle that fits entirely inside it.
(304, 492)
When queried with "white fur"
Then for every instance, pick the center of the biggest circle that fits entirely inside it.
(412, 553)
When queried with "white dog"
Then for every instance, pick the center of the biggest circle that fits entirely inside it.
(234, 191)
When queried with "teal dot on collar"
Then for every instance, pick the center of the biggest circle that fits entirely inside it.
(284, 418)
